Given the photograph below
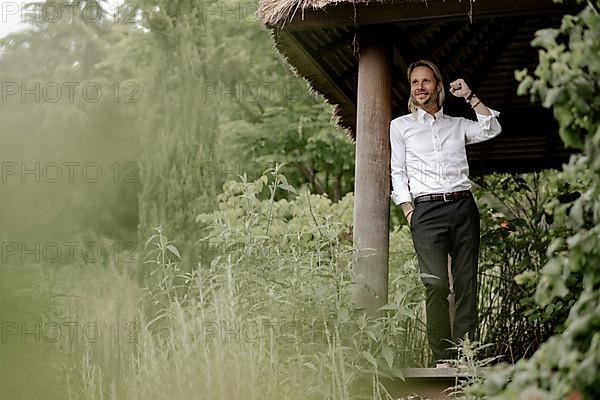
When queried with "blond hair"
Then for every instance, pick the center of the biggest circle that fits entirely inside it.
(441, 94)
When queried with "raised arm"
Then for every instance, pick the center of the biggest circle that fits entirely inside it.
(487, 125)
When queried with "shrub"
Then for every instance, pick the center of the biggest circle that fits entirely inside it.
(567, 79)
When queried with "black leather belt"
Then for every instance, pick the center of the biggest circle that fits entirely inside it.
(463, 194)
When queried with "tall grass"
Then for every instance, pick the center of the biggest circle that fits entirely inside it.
(264, 316)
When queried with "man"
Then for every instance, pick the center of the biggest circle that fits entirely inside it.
(430, 170)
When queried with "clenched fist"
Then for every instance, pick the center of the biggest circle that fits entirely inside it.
(459, 88)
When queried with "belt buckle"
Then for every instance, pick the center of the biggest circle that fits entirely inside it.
(444, 197)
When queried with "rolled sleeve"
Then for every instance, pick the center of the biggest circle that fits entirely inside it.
(486, 127)
(400, 193)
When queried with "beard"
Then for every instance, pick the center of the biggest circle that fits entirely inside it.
(431, 99)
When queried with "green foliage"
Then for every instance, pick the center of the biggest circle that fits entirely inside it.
(222, 105)
(268, 305)
(567, 79)
(301, 134)
(273, 118)
(518, 225)
(292, 259)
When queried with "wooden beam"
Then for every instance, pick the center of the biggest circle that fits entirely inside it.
(372, 176)
(417, 12)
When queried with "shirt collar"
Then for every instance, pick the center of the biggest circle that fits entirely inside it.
(421, 114)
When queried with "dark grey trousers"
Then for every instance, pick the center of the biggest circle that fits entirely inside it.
(440, 228)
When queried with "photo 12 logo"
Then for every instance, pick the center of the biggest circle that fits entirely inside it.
(250, 92)
(228, 11)
(67, 332)
(68, 92)
(211, 170)
(53, 12)
(68, 172)
(54, 252)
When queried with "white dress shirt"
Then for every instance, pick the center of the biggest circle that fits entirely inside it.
(429, 155)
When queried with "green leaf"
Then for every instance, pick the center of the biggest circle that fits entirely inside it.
(369, 358)
(173, 250)
(576, 214)
(387, 354)
(389, 306)
(287, 187)
(545, 38)
(371, 335)
(311, 366)
(520, 74)
(552, 96)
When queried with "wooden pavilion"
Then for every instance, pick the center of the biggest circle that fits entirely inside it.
(355, 53)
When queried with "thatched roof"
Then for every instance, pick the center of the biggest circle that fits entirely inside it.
(277, 12)
(483, 41)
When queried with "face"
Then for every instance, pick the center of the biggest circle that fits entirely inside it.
(423, 87)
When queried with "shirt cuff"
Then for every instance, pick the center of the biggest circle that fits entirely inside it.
(399, 198)
(485, 121)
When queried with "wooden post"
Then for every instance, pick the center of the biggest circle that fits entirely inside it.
(372, 173)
